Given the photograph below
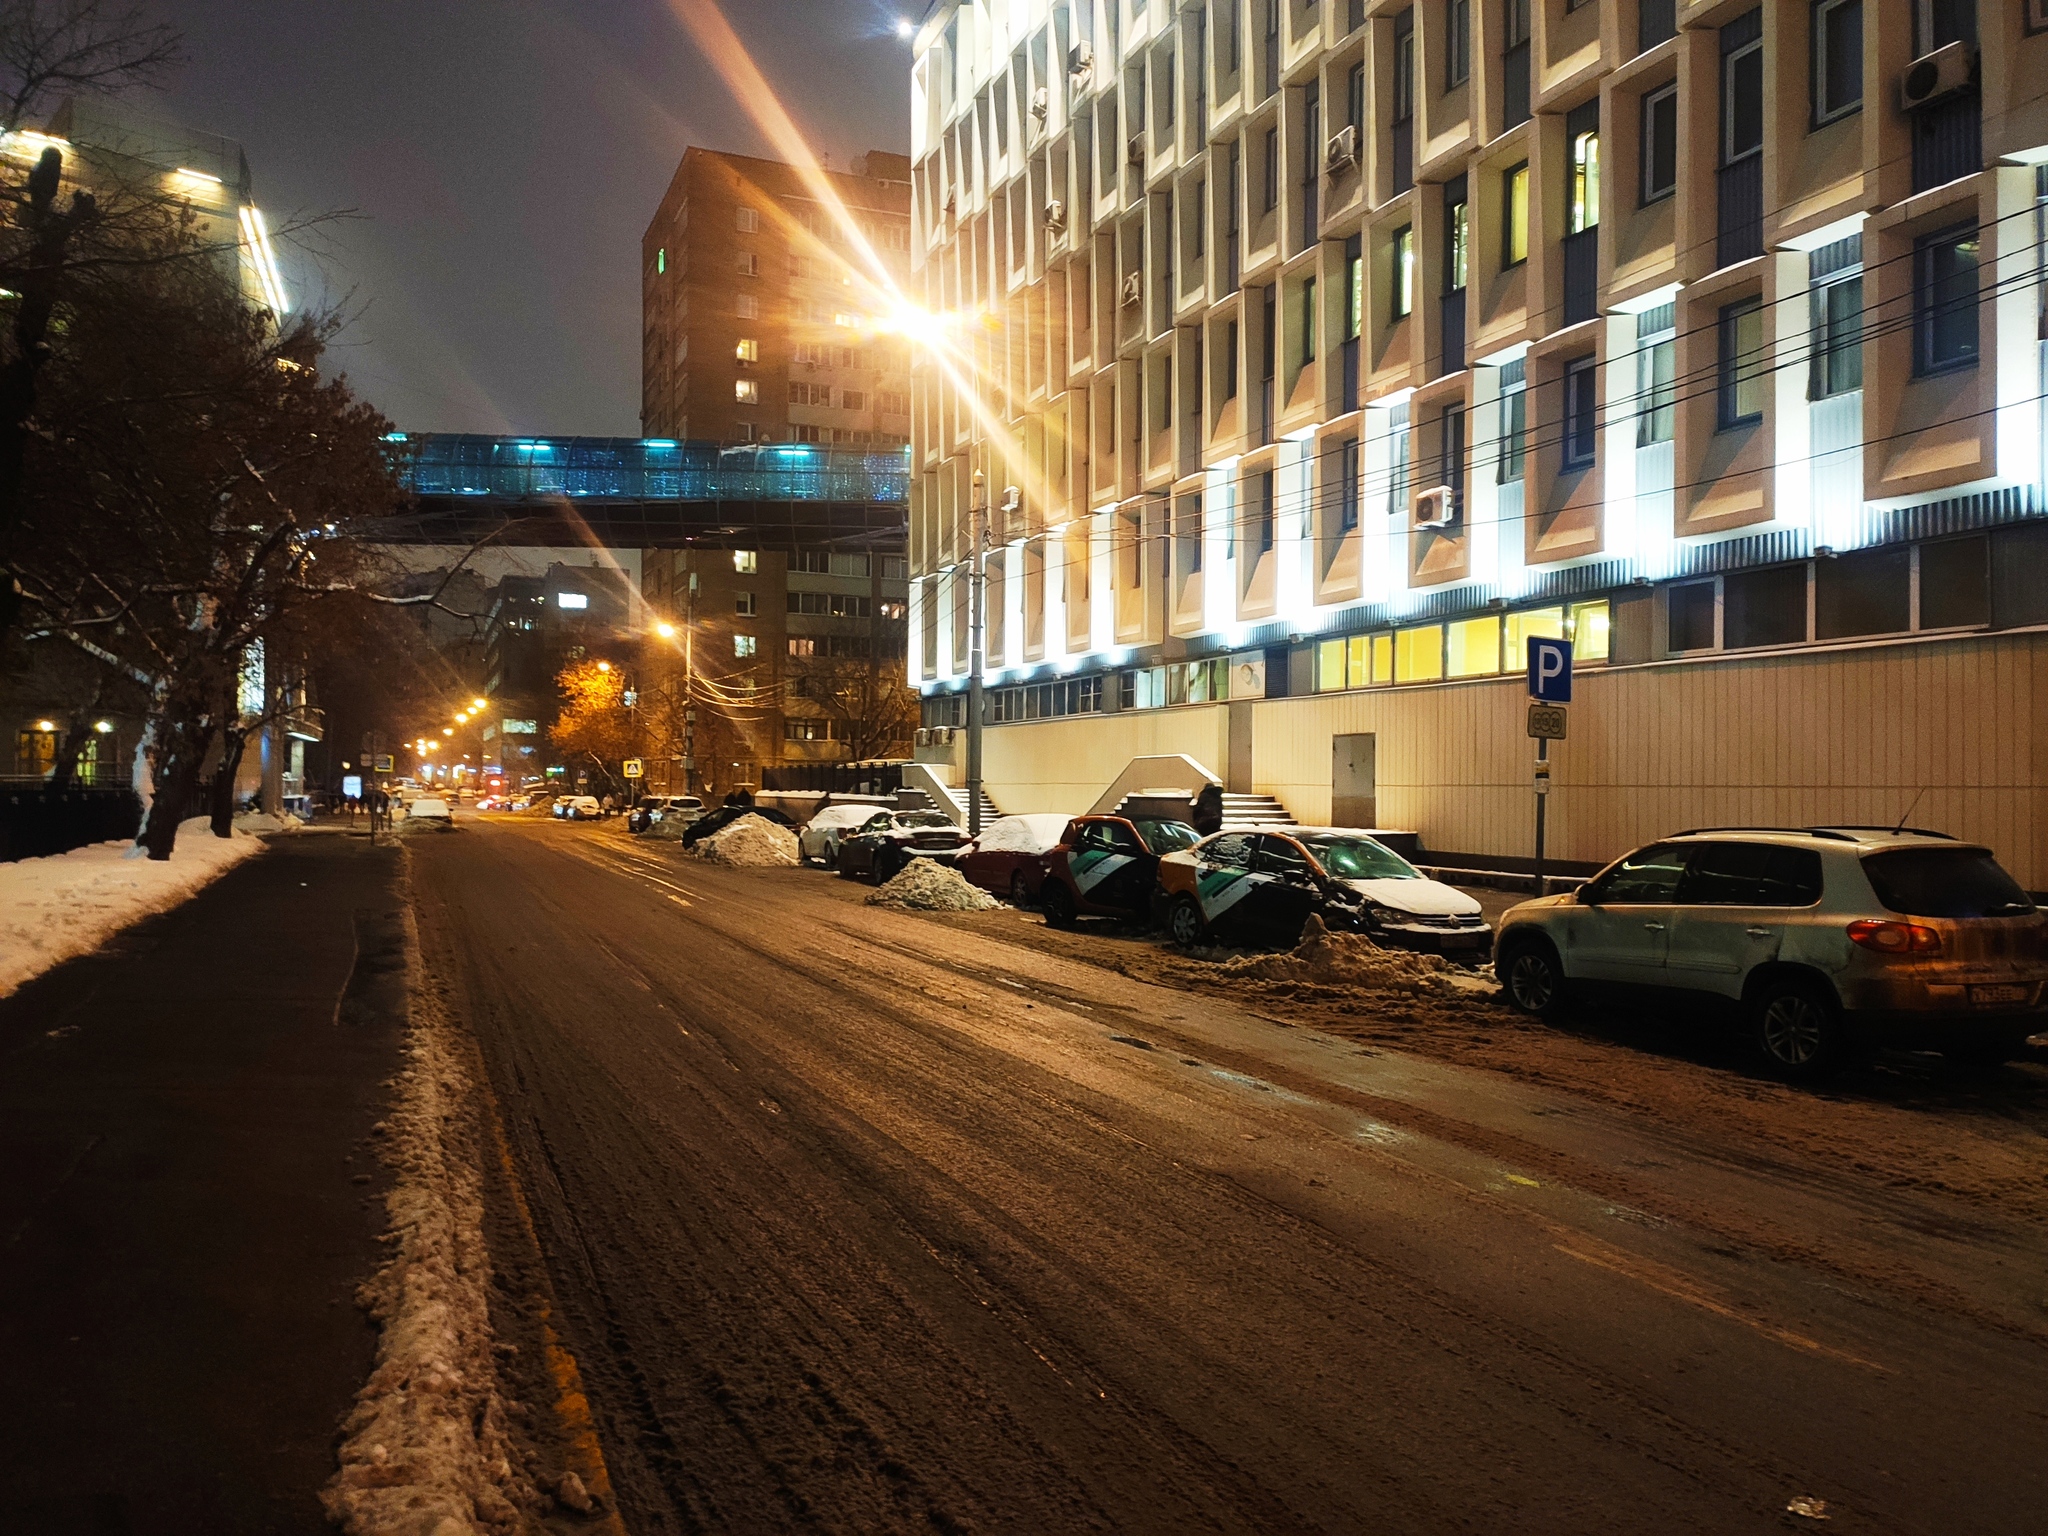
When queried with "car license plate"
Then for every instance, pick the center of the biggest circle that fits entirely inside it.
(2004, 992)
(1465, 940)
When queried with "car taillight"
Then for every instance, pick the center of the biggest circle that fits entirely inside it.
(1895, 938)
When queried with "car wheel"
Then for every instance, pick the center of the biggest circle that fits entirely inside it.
(1799, 1029)
(1058, 904)
(1020, 893)
(842, 861)
(1185, 924)
(1534, 981)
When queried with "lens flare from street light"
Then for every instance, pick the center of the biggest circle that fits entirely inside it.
(447, 730)
(666, 631)
(604, 666)
(904, 28)
(479, 704)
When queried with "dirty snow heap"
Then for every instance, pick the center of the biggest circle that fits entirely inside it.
(926, 885)
(1331, 959)
(752, 842)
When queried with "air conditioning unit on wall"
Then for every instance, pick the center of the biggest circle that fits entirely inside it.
(1056, 216)
(1041, 103)
(1940, 74)
(1080, 60)
(1342, 150)
(1436, 507)
(1134, 287)
(1135, 150)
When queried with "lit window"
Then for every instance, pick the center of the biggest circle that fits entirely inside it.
(743, 645)
(1515, 215)
(746, 391)
(571, 600)
(661, 259)
(746, 561)
(1585, 208)
(1587, 627)
(1656, 376)
(1474, 647)
(748, 350)
(1419, 654)
(1531, 624)
(1404, 271)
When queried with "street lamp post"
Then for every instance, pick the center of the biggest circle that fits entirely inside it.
(977, 640)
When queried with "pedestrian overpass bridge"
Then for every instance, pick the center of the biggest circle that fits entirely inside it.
(644, 493)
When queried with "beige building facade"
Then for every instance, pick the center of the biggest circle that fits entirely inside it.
(1315, 357)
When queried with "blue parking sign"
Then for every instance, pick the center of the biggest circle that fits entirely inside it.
(1550, 670)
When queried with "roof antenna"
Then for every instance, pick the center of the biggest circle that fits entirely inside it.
(1909, 811)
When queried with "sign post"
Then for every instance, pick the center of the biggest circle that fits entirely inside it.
(1550, 689)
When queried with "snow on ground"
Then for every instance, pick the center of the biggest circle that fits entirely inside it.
(925, 885)
(426, 1451)
(752, 842)
(71, 903)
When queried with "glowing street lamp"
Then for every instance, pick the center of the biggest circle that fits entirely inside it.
(666, 630)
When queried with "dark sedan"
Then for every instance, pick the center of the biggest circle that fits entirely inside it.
(886, 842)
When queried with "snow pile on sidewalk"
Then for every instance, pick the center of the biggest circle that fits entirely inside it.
(263, 821)
(426, 1449)
(668, 829)
(1327, 959)
(926, 885)
(71, 903)
(752, 842)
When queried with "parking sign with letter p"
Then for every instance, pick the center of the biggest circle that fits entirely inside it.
(1550, 670)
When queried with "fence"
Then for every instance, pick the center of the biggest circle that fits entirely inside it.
(36, 820)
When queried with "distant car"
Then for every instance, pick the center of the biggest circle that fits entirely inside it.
(822, 834)
(1826, 939)
(581, 808)
(428, 811)
(717, 821)
(1260, 888)
(1108, 866)
(883, 844)
(1009, 856)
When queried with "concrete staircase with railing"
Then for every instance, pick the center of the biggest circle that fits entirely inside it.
(1254, 811)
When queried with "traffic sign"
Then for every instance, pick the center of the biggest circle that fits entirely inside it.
(1546, 722)
(634, 768)
(1550, 671)
(384, 764)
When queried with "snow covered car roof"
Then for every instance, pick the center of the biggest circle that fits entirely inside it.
(1032, 833)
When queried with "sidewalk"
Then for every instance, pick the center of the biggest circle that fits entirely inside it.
(181, 1224)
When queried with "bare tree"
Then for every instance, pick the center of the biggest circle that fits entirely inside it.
(869, 701)
(48, 49)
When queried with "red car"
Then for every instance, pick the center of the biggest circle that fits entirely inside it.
(1008, 857)
(1108, 866)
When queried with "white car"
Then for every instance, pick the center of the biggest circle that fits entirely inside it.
(821, 835)
(428, 811)
(583, 808)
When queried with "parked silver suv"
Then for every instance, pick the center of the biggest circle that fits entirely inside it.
(1827, 937)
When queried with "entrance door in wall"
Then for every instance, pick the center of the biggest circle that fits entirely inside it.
(1239, 770)
(1354, 781)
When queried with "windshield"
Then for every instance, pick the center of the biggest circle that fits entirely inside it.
(1360, 858)
(1945, 882)
(1166, 836)
(924, 819)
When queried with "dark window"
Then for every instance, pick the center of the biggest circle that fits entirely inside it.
(1742, 374)
(1656, 22)
(1452, 468)
(1867, 593)
(1750, 875)
(1457, 43)
(1945, 301)
(1280, 856)
(1648, 877)
(1955, 583)
(1692, 616)
(1837, 336)
(1937, 23)
(1945, 882)
(1265, 511)
(1403, 116)
(1230, 361)
(1269, 190)
(1514, 421)
(1308, 321)
(1656, 376)
(1660, 143)
(1765, 607)
(1742, 100)
(1347, 484)
(1581, 411)
(1354, 102)
(1837, 59)
(1514, 89)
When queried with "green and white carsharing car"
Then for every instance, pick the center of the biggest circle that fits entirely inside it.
(1108, 866)
(1262, 887)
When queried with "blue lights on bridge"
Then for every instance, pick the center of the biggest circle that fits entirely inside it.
(649, 469)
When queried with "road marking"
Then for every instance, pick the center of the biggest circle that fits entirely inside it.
(1669, 1282)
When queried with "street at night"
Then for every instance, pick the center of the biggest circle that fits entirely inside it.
(861, 1220)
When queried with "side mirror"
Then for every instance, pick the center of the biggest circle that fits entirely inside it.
(1583, 896)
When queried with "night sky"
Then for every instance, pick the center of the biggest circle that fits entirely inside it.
(503, 159)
